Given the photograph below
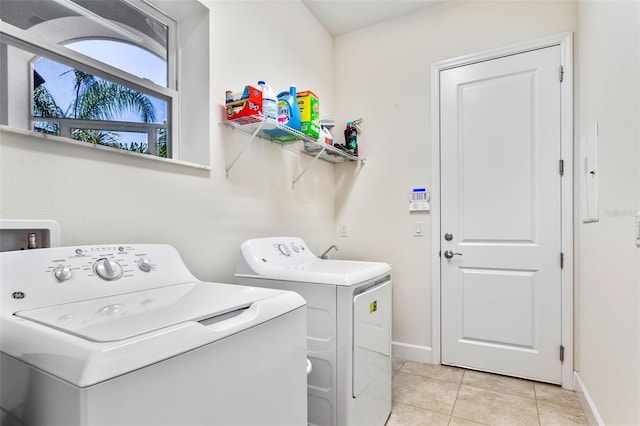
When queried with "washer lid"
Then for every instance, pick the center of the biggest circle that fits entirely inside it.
(321, 271)
(119, 317)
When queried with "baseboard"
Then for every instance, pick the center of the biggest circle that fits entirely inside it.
(412, 352)
(589, 408)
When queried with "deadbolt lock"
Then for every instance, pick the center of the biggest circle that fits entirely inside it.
(448, 236)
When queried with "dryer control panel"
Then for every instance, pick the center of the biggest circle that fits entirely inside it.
(278, 251)
(290, 248)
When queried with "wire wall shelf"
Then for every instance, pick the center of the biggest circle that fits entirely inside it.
(258, 126)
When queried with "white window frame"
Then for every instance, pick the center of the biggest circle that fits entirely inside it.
(28, 42)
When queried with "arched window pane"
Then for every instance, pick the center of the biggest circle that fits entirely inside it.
(91, 109)
(114, 19)
(127, 57)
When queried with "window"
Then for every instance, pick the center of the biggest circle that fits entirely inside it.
(69, 102)
(104, 72)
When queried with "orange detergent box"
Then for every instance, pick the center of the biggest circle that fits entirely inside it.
(309, 113)
(242, 107)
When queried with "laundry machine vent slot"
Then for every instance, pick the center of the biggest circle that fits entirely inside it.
(367, 287)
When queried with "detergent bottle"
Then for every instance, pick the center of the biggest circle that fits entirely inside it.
(288, 111)
(269, 101)
(288, 115)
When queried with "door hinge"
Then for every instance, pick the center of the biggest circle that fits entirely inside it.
(561, 353)
(561, 167)
(561, 73)
(561, 260)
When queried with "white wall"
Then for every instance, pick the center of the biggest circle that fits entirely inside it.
(106, 198)
(383, 75)
(608, 262)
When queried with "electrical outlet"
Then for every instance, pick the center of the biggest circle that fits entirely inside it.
(343, 230)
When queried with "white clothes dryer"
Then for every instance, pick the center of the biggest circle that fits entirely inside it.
(348, 329)
(126, 335)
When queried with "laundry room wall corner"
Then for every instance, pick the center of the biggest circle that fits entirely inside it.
(100, 197)
(388, 84)
(607, 257)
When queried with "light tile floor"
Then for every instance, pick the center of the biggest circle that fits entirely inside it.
(427, 394)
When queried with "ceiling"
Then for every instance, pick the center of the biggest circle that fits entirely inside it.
(343, 16)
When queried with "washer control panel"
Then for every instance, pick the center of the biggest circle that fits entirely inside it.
(63, 274)
(109, 263)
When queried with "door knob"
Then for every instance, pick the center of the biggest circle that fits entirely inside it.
(449, 254)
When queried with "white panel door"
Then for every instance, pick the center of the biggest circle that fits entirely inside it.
(501, 215)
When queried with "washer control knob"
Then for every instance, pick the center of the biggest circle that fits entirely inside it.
(108, 269)
(284, 249)
(145, 265)
(63, 273)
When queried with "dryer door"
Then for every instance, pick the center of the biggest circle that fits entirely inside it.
(371, 336)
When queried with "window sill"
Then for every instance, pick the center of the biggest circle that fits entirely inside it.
(44, 137)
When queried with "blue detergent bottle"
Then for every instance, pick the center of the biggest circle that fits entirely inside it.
(288, 115)
(288, 111)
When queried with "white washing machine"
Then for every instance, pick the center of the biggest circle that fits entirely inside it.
(348, 329)
(126, 335)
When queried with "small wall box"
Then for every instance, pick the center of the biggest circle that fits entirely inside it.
(14, 234)
(243, 107)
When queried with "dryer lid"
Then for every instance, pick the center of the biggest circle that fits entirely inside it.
(289, 259)
(320, 271)
(119, 317)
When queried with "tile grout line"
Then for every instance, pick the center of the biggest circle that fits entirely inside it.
(455, 400)
(535, 394)
(400, 370)
(464, 371)
(459, 383)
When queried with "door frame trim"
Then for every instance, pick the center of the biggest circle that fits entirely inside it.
(565, 41)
